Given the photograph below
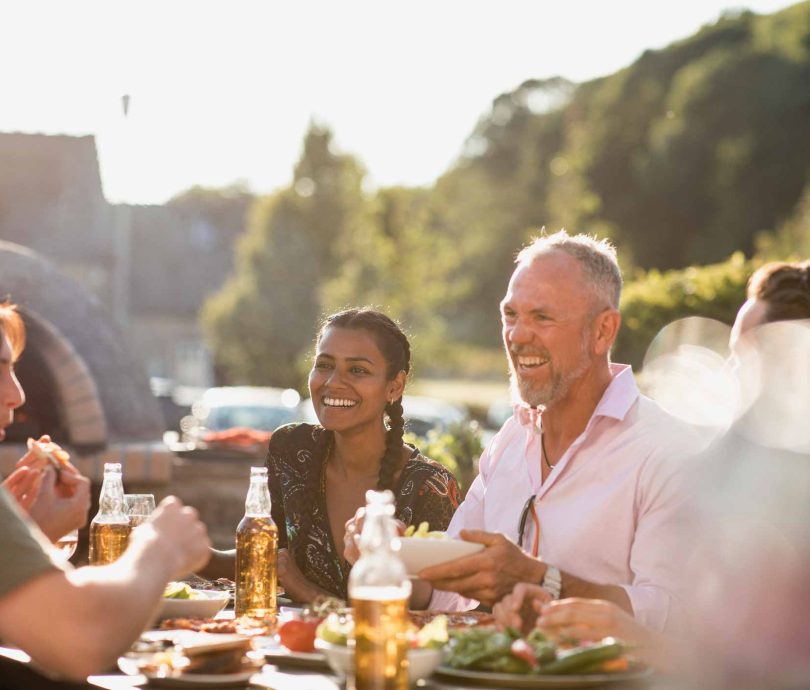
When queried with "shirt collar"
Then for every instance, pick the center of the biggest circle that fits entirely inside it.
(616, 401)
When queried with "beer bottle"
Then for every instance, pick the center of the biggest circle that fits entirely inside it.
(256, 552)
(379, 590)
(109, 529)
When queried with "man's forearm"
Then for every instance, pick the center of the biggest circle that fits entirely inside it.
(575, 587)
(128, 590)
(95, 613)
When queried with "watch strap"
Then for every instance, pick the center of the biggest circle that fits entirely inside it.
(552, 582)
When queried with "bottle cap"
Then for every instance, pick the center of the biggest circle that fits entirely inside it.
(379, 497)
(112, 467)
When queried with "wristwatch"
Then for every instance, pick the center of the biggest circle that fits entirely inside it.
(552, 581)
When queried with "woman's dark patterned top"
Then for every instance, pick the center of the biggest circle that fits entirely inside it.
(425, 492)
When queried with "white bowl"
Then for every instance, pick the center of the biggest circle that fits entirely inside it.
(421, 662)
(205, 604)
(419, 553)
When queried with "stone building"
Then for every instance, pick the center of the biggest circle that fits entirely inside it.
(151, 267)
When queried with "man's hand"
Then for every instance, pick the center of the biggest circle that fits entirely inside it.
(590, 619)
(62, 503)
(24, 484)
(178, 534)
(64, 468)
(489, 575)
(521, 609)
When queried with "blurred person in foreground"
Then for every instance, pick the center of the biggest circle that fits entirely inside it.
(750, 565)
(596, 467)
(319, 474)
(74, 622)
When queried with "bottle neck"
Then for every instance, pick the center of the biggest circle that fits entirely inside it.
(257, 503)
(378, 533)
(111, 500)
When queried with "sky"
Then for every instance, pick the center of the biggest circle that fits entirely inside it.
(223, 91)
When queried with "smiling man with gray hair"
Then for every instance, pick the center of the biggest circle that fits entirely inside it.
(579, 490)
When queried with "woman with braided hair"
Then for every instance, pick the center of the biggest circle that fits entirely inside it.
(319, 475)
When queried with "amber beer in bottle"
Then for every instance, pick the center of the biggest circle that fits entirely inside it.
(256, 552)
(379, 590)
(109, 530)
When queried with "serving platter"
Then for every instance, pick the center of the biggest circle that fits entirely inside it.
(541, 682)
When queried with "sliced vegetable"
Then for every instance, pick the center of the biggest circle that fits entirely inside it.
(580, 659)
(523, 650)
(178, 590)
(433, 635)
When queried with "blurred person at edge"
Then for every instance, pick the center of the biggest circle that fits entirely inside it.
(596, 466)
(57, 504)
(61, 616)
(751, 564)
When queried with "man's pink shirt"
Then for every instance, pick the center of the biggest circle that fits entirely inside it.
(610, 512)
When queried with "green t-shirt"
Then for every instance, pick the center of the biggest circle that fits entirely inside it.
(25, 552)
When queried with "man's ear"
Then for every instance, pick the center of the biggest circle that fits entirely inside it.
(605, 328)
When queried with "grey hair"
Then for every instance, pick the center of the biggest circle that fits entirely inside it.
(597, 258)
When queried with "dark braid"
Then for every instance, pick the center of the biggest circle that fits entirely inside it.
(396, 349)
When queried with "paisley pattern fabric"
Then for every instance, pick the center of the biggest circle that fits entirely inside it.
(425, 491)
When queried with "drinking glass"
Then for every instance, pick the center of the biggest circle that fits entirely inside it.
(138, 507)
(67, 544)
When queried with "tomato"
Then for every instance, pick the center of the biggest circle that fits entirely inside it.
(522, 650)
(298, 636)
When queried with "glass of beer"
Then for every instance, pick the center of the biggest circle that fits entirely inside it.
(67, 544)
(138, 507)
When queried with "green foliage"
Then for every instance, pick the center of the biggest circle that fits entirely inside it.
(791, 241)
(458, 449)
(656, 299)
(264, 318)
(691, 154)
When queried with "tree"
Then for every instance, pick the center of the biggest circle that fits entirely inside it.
(263, 320)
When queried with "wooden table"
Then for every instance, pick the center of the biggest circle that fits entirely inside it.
(276, 678)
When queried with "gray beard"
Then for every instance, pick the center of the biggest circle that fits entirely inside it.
(555, 389)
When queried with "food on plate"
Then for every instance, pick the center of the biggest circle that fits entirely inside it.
(423, 532)
(505, 651)
(210, 656)
(178, 590)
(464, 619)
(241, 626)
(299, 635)
(338, 629)
(220, 656)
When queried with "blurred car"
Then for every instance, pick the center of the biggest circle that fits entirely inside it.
(421, 413)
(498, 412)
(250, 407)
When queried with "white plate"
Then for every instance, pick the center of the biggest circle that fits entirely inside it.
(205, 604)
(421, 662)
(277, 654)
(519, 680)
(417, 553)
